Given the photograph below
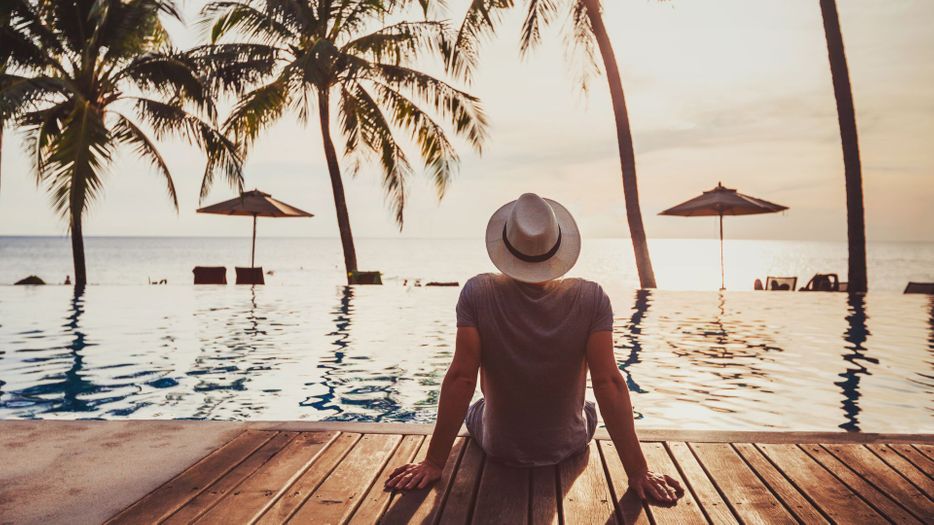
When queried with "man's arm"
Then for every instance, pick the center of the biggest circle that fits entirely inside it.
(613, 397)
(457, 389)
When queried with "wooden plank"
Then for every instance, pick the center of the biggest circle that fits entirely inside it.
(543, 508)
(743, 491)
(376, 500)
(503, 495)
(586, 496)
(250, 499)
(686, 509)
(885, 478)
(697, 485)
(879, 501)
(629, 507)
(834, 498)
(338, 496)
(905, 468)
(919, 460)
(783, 489)
(296, 494)
(204, 501)
(459, 504)
(168, 498)
(423, 506)
(927, 450)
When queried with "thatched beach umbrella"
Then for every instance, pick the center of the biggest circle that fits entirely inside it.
(257, 204)
(722, 201)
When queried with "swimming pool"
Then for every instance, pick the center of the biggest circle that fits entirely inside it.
(699, 360)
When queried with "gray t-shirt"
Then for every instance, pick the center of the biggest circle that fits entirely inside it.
(533, 370)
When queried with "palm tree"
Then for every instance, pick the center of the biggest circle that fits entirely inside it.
(323, 50)
(88, 74)
(853, 172)
(588, 35)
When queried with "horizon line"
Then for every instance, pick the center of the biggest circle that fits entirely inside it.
(65, 236)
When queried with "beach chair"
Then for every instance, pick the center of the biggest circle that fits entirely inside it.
(780, 284)
(365, 277)
(823, 282)
(250, 275)
(916, 287)
(210, 274)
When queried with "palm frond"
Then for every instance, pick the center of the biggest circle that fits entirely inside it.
(126, 28)
(125, 131)
(464, 111)
(351, 16)
(20, 94)
(437, 152)
(233, 68)
(376, 134)
(581, 45)
(42, 127)
(171, 119)
(220, 18)
(401, 42)
(171, 74)
(257, 110)
(73, 163)
(24, 41)
(539, 13)
(479, 22)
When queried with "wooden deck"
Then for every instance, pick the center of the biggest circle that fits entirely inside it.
(335, 476)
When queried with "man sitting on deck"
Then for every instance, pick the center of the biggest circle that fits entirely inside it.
(532, 337)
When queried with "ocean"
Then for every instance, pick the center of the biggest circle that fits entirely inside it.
(679, 264)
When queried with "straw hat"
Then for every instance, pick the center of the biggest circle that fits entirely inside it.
(532, 239)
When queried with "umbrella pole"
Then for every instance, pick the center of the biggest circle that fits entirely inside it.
(722, 279)
(253, 253)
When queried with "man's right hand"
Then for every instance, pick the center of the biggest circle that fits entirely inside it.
(413, 476)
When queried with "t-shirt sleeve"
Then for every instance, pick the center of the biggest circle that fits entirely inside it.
(466, 305)
(603, 312)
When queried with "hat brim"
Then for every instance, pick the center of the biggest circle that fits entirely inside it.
(534, 272)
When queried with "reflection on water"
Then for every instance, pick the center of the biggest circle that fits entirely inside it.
(712, 360)
(630, 343)
(855, 335)
(341, 334)
(73, 383)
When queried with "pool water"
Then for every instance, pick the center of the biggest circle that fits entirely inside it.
(693, 360)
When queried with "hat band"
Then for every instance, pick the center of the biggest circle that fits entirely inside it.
(532, 258)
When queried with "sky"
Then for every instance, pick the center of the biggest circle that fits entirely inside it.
(730, 91)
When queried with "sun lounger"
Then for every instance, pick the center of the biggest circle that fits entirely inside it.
(250, 275)
(778, 284)
(823, 282)
(915, 287)
(365, 277)
(210, 274)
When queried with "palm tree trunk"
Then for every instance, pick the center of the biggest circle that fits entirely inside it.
(846, 115)
(77, 234)
(627, 156)
(337, 187)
